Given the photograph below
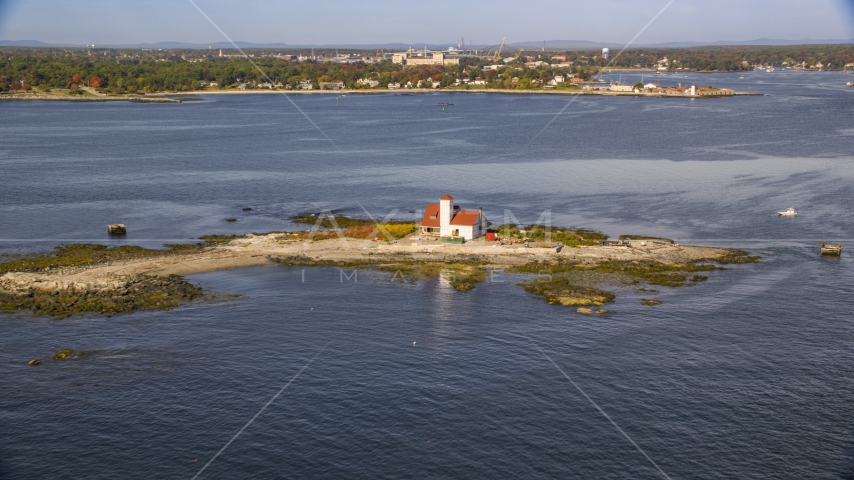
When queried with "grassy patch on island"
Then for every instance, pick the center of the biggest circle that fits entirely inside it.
(570, 237)
(78, 254)
(338, 226)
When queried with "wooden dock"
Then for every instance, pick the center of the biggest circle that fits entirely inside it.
(831, 248)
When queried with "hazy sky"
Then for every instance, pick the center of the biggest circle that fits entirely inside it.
(435, 21)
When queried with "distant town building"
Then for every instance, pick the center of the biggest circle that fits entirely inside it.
(331, 85)
(367, 82)
(606, 52)
(692, 91)
(616, 87)
(305, 85)
(427, 58)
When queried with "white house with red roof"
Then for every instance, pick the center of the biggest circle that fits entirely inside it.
(444, 219)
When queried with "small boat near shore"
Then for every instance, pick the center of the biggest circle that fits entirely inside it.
(831, 248)
(117, 229)
(790, 212)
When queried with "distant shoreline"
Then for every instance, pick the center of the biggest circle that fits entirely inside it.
(168, 97)
(419, 91)
(31, 97)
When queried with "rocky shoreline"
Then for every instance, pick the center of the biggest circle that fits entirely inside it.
(52, 296)
(104, 98)
(94, 279)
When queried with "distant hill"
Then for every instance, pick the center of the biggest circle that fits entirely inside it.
(586, 44)
(217, 45)
(24, 43)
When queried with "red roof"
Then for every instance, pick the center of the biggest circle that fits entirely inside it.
(432, 210)
(447, 197)
(466, 217)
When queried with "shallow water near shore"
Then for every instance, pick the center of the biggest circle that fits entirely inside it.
(746, 375)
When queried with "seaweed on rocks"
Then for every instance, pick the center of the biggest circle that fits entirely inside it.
(574, 283)
(557, 290)
(123, 294)
(734, 256)
(462, 275)
(67, 353)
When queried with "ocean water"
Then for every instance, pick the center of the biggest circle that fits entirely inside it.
(748, 375)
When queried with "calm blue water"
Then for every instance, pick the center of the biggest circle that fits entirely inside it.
(748, 375)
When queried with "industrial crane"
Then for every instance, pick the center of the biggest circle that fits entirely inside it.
(501, 47)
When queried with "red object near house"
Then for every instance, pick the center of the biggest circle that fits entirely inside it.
(490, 236)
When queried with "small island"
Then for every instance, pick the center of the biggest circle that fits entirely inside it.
(569, 267)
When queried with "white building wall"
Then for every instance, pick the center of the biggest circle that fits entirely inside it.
(445, 214)
(465, 231)
(480, 227)
(470, 232)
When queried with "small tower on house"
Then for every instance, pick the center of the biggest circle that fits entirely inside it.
(446, 209)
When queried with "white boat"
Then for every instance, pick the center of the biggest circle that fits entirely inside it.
(790, 212)
(849, 84)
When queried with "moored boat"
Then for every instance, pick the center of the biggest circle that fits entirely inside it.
(831, 248)
(790, 212)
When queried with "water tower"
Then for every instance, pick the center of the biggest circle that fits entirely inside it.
(605, 53)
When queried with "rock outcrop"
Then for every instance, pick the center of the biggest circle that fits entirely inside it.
(111, 294)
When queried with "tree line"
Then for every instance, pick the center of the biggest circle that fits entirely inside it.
(129, 71)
